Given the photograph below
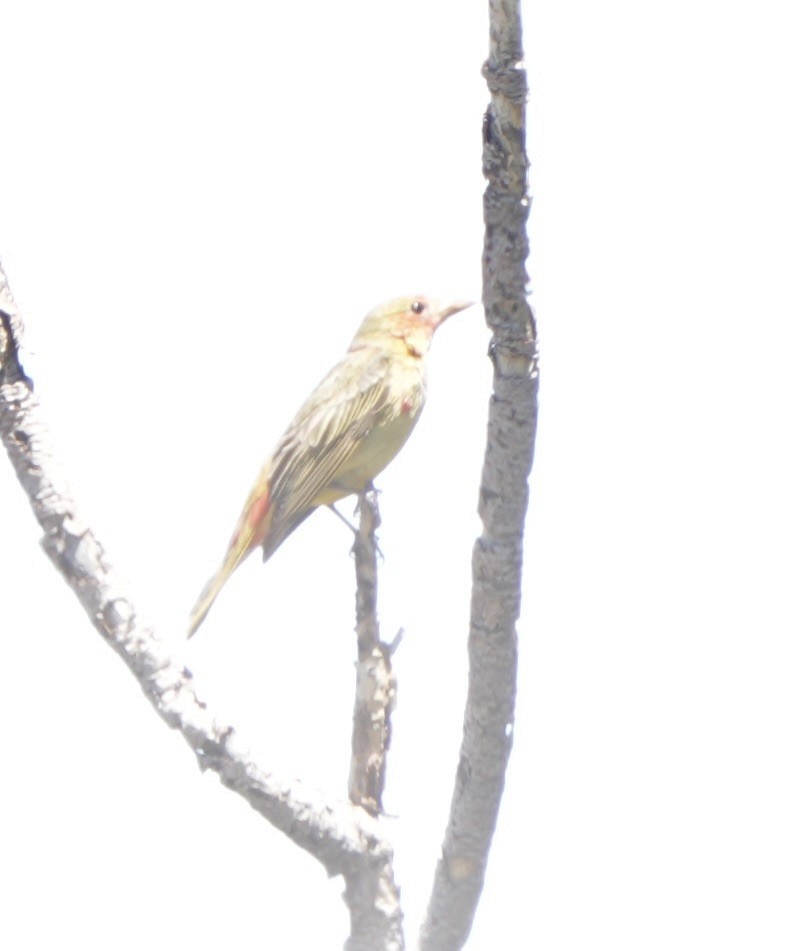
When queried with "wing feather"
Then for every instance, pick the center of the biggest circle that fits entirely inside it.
(346, 405)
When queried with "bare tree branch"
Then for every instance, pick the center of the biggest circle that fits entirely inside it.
(497, 556)
(340, 835)
(375, 911)
(376, 685)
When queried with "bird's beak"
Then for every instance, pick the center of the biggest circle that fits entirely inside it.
(444, 311)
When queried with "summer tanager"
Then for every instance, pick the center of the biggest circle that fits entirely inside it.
(351, 427)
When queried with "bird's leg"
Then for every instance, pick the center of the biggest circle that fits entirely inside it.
(342, 518)
(353, 528)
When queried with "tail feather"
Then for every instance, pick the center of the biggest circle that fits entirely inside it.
(249, 534)
(212, 588)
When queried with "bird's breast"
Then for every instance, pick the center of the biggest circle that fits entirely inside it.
(387, 434)
(373, 453)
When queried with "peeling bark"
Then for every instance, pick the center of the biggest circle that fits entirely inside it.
(376, 685)
(373, 896)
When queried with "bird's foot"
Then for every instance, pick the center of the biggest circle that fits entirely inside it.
(369, 490)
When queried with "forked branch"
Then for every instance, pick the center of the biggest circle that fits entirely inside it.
(340, 835)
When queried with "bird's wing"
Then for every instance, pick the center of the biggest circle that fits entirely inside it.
(327, 429)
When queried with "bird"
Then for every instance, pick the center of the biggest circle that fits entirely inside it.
(349, 429)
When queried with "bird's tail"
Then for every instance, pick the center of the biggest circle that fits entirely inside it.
(249, 533)
(209, 593)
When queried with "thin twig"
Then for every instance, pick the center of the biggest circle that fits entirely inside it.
(375, 910)
(375, 682)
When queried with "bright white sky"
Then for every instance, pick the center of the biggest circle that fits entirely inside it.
(198, 203)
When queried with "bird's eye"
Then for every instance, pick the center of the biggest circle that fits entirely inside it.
(417, 306)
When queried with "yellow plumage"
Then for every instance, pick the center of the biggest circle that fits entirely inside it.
(349, 429)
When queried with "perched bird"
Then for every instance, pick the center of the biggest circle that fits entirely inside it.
(351, 427)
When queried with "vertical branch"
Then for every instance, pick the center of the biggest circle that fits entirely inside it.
(375, 913)
(497, 556)
(375, 682)
(371, 895)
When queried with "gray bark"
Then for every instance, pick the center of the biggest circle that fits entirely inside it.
(339, 834)
(376, 686)
(497, 556)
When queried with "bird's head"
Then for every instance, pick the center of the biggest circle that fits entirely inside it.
(407, 321)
